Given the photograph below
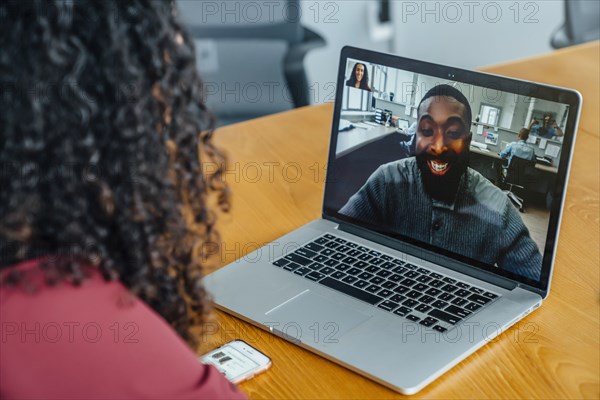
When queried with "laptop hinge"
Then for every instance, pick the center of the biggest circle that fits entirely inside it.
(430, 256)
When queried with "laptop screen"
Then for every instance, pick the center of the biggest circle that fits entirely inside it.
(465, 164)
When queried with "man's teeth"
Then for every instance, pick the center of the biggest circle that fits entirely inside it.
(438, 166)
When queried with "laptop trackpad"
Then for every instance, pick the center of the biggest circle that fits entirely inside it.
(309, 317)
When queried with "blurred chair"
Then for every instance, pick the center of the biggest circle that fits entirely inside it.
(519, 174)
(581, 24)
(250, 55)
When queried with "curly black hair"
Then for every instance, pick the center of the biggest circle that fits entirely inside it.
(102, 132)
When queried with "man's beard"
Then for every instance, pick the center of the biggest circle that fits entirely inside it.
(443, 187)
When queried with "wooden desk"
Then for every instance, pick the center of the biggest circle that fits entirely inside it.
(553, 353)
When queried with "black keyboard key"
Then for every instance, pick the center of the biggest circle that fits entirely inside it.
(327, 270)
(314, 276)
(352, 245)
(402, 311)
(327, 252)
(291, 266)
(398, 298)
(350, 279)
(458, 311)
(412, 317)
(424, 279)
(304, 252)
(395, 278)
(436, 283)
(401, 289)
(343, 249)
(316, 266)
(314, 247)
(444, 316)
(388, 305)
(349, 260)
(361, 264)
(479, 299)
(433, 292)
(386, 257)
(439, 328)
(361, 284)
(410, 266)
(365, 275)
(373, 289)
(281, 262)
(446, 296)
(342, 267)
(385, 293)
(399, 270)
(302, 271)
(351, 291)
(329, 236)
(410, 303)
(490, 295)
(472, 307)
(435, 275)
(364, 257)
(388, 265)
(426, 299)
(477, 290)
(320, 258)
(449, 280)
(340, 240)
(338, 256)
(298, 259)
(376, 261)
(331, 262)
(375, 253)
(407, 282)
(398, 262)
(363, 249)
(384, 273)
(449, 288)
(459, 302)
(353, 271)
(428, 321)
(332, 245)
(423, 271)
(412, 274)
(423, 308)
(338, 275)
(439, 304)
(372, 269)
(377, 280)
(389, 285)
(421, 287)
(354, 253)
(462, 285)
(413, 294)
(461, 293)
(321, 241)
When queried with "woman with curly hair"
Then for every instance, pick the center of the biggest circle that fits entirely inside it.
(103, 202)
(360, 77)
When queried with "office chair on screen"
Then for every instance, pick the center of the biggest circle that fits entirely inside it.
(519, 174)
(250, 55)
(580, 26)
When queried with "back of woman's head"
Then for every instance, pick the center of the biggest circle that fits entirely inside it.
(101, 133)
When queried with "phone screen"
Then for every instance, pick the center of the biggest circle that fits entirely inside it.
(233, 363)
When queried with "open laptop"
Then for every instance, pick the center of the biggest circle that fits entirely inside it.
(420, 257)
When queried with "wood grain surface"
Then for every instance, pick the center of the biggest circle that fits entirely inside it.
(276, 173)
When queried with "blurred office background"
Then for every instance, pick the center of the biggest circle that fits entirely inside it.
(265, 56)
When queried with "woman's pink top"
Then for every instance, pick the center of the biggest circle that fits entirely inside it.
(95, 341)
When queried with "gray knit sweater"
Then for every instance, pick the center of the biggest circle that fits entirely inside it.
(481, 223)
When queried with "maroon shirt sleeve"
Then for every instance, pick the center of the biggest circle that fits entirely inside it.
(95, 341)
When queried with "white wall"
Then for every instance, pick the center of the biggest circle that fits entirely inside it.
(467, 34)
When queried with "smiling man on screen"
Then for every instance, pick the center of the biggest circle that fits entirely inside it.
(436, 198)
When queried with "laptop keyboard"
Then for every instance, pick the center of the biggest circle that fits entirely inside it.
(420, 295)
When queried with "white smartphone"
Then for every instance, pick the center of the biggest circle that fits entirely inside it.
(237, 360)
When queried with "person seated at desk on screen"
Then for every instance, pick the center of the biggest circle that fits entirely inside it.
(359, 78)
(103, 204)
(520, 148)
(547, 130)
(436, 198)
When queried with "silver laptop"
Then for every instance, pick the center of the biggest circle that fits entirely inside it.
(434, 238)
